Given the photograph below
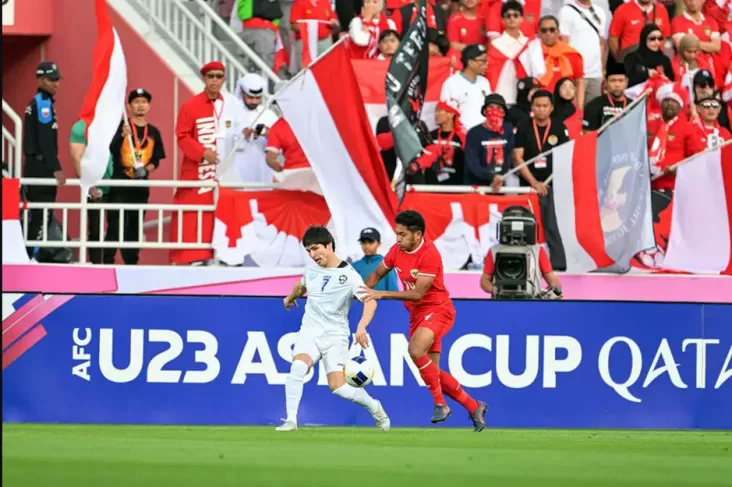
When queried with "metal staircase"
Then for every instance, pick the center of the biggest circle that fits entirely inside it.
(198, 34)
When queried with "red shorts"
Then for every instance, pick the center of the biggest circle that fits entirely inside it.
(439, 320)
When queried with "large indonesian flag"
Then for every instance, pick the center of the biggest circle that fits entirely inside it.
(602, 196)
(104, 103)
(13, 248)
(326, 114)
(371, 75)
(701, 223)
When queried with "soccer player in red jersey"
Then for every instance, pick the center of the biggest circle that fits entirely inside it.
(431, 312)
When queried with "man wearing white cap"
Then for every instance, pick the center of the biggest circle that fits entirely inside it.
(251, 161)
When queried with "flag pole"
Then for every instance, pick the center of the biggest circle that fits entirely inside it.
(673, 167)
(544, 154)
(271, 99)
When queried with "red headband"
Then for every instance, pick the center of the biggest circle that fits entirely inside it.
(212, 66)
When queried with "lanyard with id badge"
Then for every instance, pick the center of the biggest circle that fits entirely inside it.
(541, 163)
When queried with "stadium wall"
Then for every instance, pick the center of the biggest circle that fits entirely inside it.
(214, 360)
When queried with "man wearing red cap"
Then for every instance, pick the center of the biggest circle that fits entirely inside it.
(207, 129)
(444, 160)
(675, 140)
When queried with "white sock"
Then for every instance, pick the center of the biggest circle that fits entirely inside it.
(293, 388)
(359, 396)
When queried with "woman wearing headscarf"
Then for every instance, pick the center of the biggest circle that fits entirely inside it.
(688, 61)
(565, 109)
(649, 60)
(522, 109)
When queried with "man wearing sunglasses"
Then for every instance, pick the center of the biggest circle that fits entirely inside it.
(495, 21)
(705, 87)
(207, 127)
(561, 61)
(711, 133)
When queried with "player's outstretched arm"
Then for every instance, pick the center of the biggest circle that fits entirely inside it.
(297, 292)
(369, 309)
(379, 273)
(421, 287)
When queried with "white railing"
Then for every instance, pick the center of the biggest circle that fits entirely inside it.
(163, 213)
(195, 38)
(12, 151)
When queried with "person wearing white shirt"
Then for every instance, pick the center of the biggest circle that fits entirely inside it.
(469, 87)
(584, 26)
(250, 161)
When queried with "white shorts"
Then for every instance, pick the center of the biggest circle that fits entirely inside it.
(333, 351)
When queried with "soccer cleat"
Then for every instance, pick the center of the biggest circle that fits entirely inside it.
(478, 417)
(382, 420)
(288, 425)
(441, 413)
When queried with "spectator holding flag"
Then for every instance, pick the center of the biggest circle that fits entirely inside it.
(710, 132)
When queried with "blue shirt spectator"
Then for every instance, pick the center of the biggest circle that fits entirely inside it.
(489, 146)
(370, 241)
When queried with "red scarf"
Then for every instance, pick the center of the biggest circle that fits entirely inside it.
(494, 122)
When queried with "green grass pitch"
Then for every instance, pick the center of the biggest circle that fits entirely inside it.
(141, 456)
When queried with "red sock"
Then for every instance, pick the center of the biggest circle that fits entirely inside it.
(454, 391)
(431, 377)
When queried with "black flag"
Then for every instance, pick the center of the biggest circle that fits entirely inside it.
(406, 83)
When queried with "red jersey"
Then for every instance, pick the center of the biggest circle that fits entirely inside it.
(719, 10)
(196, 132)
(313, 10)
(465, 30)
(431, 18)
(424, 261)
(629, 19)
(282, 139)
(705, 28)
(682, 141)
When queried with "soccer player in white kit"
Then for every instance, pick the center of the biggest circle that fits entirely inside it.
(325, 331)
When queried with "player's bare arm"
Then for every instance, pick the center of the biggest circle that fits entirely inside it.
(362, 338)
(486, 283)
(421, 287)
(379, 273)
(297, 292)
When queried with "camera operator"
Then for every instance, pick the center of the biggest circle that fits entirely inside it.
(537, 263)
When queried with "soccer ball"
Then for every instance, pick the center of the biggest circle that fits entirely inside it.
(359, 372)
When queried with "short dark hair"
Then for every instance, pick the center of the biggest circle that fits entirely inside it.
(549, 17)
(387, 33)
(411, 219)
(512, 5)
(542, 93)
(317, 235)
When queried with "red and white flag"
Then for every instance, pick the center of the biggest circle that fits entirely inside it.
(371, 75)
(281, 57)
(602, 198)
(327, 116)
(309, 36)
(701, 223)
(13, 244)
(104, 103)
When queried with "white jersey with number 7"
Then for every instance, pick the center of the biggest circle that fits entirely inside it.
(330, 291)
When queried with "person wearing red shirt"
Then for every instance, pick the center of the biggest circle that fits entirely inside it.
(366, 28)
(628, 21)
(693, 21)
(466, 26)
(561, 60)
(316, 10)
(675, 139)
(281, 140)
(197, 132)
(719, 10)
(544, 266)
(431, 312)
(404, 16)
(493, 20)
(710, 133)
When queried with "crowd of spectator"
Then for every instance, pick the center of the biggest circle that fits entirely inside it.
(530, 74)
